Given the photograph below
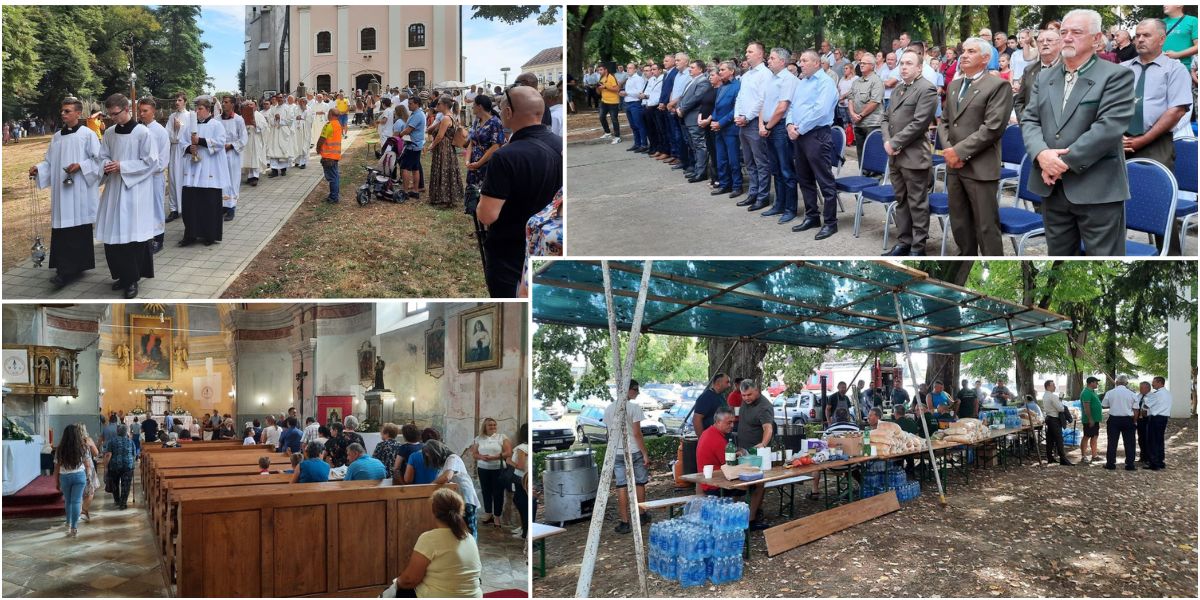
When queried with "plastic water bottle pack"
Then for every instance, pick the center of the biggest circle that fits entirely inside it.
(704, 545)
(896, 478)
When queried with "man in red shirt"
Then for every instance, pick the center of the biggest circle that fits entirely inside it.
(710, 449)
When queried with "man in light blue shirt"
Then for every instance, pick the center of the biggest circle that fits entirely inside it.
(631, 97)
(771, 126)
(410, 160)
(590, 80)
(808, 123)
(679, 145)
(756, 152)
(360, 466)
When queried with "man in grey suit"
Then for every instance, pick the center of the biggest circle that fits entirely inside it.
(689, 111)
(973, 121)
(905, 131)
(1073, 128)
(1049, 45)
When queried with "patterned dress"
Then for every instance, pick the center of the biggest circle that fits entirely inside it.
(445, 178)
(483, 137)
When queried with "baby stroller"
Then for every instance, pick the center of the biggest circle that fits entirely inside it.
(380, 183)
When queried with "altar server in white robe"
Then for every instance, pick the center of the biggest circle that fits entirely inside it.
(235, 144)
(126, 220)
(178, 121)
(304, 121)
(162, 150)
(205, 177)
(71, 169)
(320, 108)
(280, 146)
(254, 157)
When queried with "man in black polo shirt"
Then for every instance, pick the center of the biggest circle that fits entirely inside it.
(707, 404)
(523, 177)
(967, 400)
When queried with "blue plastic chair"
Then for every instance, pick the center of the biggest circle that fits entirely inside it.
(939, 162)
(939, 208)
(1019, 224)
(873, 159)
(1185, 177)
(1012, 152)
(883, 194)
(1151, 207)
(838, 156)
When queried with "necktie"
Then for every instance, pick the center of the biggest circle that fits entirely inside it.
(1068, 86)
(1137, 124)
(962, 91)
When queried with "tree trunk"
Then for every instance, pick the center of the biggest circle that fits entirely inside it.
(937, 25)
(576, 37)
(818, 26)
(745, 361)
(889, 30)
(945, 367)
(999, 17)
(1076, 340)
(964, 22)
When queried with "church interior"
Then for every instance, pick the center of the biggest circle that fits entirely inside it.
(196, 523)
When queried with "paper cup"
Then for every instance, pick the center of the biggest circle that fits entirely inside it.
(708, 471)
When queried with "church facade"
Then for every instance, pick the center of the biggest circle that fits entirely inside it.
(340, 47)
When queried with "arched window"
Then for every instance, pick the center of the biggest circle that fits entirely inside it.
(416, 79)
(366, 39)
(324, 83)
(416, 35)
(324, 42)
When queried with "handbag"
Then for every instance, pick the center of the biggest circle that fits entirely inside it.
(460, 137)
(1065, 416)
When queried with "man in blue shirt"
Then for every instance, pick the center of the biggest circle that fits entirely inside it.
(410, 160)
(707, 404)
(664, 117)
(289, 440)
(776, 101)
(362, 466)
(808, 124)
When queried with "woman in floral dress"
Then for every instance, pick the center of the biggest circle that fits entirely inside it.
(445, 179)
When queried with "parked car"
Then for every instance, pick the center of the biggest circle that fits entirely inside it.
(691, 393)
(549, 432)
(673, 418)
(665, 397)
(800, 409)
(575, 405)
(590, 424)
(556, 410)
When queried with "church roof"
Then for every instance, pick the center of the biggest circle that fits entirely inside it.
(547, 56)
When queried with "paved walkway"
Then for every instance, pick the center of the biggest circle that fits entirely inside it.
(625, 204)
(197, 271)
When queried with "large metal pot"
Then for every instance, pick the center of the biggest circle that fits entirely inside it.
(570, 460)
(792, 436)
(689, 453)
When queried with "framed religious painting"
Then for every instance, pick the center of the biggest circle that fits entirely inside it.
(366, 364)
(435, 348)
(480, 346)
(151, 338)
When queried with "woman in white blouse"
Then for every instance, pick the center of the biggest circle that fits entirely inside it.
(490, 450)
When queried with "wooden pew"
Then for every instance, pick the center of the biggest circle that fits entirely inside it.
(162, 513)
(151, 452)
(153, 483)
(347, 538)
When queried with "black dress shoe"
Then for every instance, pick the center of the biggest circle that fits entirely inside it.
(898, 250)
(631, 149)
(117, 285)
(917, 253)
(697, 179)
(209, 242)
(759, 205)
(302, 166)
(131, 292)
(172, 216)
(736, 193)
(826, 231)
(283, 172)
(678, 167)
(806, 224)
(771, 213)
(273, 173)
(61, 281)
(746, 202)
(185, 242)
(719, 191)
(787, 217)
(253, 181)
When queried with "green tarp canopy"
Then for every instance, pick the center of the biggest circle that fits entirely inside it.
(824, 304)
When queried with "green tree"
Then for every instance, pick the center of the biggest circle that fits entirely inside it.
(518, 13)
(624, 33)
(21, 61)
(791, 365)
(67, 67)
(241, 77)
(120, 44)
(175, 59)
(555, 347)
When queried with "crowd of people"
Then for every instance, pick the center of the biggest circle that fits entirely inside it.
(762, 122)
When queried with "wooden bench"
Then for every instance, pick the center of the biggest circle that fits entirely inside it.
(248, 465)
(162, 513)
(671, 504)
(538, 532)
(347, 538)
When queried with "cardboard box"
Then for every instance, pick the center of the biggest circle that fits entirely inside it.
(851, 445)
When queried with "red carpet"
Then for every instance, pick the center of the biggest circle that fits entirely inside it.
(38, 499)
(507, 594)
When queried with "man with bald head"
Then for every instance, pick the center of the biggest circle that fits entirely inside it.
(1049, 45)
(1162, 95)
(523, 177)
(531, 80)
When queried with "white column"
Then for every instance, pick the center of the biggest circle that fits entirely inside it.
(302, 46)
(396, 39)
(343, 52)
(439, 45)
(1179, 364)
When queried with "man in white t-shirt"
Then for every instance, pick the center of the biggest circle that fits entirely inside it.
(616, 444)
(270, 433)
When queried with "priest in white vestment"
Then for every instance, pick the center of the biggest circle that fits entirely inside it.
(304, 121)
(176, 122)
(162, 150)
(280, 146)
(126, 220)
(205, 177)
(235, 144)
(255, 155)
(71, 169)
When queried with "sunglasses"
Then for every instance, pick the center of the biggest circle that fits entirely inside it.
(508, 98)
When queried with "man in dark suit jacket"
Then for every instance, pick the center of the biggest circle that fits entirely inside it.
(973, 121)
(905, 131)
(1078, 113)
(1049, 44)
(689, 111)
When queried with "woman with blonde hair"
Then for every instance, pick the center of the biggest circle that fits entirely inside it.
(490, 449)
(445, 560)
(91, 453)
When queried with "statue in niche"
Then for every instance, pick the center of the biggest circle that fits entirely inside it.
(379, 364)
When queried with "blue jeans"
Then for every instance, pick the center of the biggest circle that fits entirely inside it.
(729, 158)
(137, 445)
(342, 119)
(784, 170)
(678, 147)
(633, 112)
(72, 491)
(334, 179)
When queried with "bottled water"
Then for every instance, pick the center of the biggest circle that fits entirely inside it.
(692, 572)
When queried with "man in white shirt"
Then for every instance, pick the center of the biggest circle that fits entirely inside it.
(656, 147)
(1052, 407)
(1158, 407)
(553, 99)
(616, 444)
(889, 73)
(631, 101)
(312, 431)
(270, 433)
(1120, 402)
(756, 151)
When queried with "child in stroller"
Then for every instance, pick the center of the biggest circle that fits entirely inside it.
(381, 182)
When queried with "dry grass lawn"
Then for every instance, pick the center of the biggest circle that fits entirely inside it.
(18, 230)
